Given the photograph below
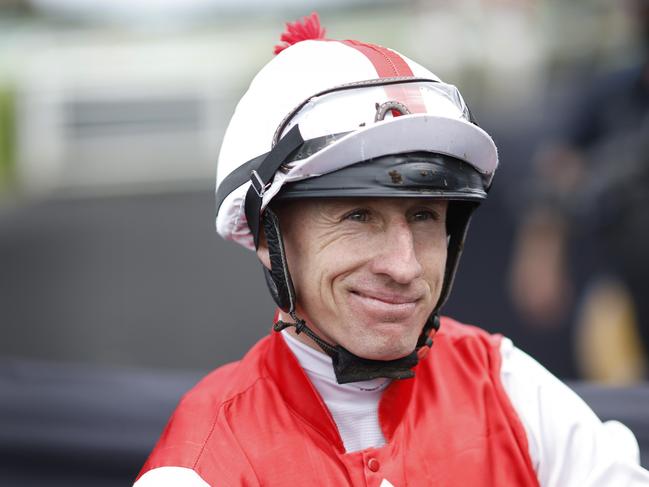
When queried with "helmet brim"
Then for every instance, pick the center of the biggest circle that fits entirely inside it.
(410, 175)
(403, 134)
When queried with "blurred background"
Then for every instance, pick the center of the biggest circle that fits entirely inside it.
(116, 295)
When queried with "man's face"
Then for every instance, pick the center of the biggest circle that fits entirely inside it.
(367, 272)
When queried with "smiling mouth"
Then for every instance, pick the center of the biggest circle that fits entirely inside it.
(386, 298)
(387, 306)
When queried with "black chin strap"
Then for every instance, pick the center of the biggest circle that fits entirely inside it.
(300, 326)
(352, 368)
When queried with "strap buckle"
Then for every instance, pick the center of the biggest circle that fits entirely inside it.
(258, 184)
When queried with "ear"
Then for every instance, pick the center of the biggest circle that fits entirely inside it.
(262, 250)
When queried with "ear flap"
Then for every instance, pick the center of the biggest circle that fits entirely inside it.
(278, 277)
(458, 217)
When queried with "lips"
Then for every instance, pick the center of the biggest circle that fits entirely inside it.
(388, 298)
(385, 306)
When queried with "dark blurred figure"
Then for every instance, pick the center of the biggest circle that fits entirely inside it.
(593, 184)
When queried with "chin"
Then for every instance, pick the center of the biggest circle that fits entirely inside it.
(386, 355)
(385, 348)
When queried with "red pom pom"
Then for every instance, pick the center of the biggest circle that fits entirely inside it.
(308, 28)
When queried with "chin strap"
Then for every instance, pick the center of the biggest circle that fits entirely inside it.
(300, 326)
(352, 368)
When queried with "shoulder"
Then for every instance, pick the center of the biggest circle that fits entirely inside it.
(224, 385)
(568, 443)
(200, 427)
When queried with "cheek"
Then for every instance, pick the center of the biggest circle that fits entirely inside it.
(432, 256)
(312, 269)
(325, 273)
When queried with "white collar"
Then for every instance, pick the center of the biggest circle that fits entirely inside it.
(318, 364)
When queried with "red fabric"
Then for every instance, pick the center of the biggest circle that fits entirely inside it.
(260, 421)
(389, 64)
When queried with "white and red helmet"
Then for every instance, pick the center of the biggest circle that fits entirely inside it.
(332, 89)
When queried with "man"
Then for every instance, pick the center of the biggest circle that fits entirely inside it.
(353, 172)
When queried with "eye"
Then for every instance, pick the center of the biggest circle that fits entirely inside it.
(424, 215)
(358, 215)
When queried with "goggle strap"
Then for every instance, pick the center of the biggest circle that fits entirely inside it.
(261, 177)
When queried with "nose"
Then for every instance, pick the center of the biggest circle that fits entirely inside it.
(396, 256)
